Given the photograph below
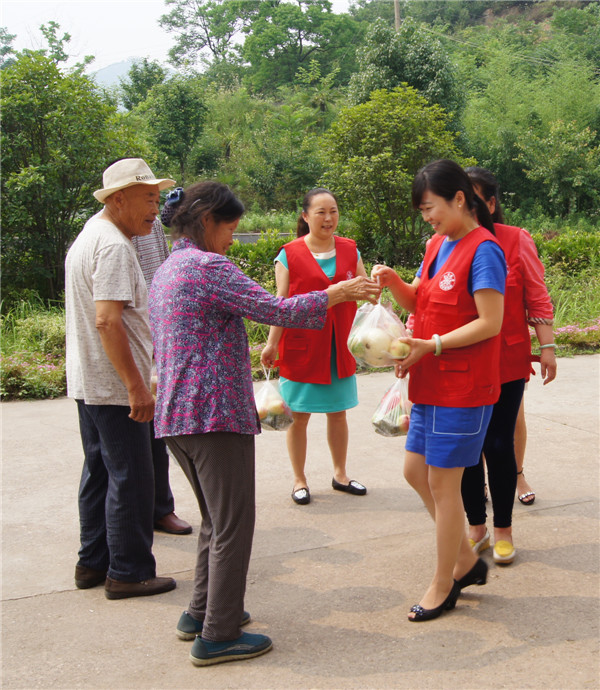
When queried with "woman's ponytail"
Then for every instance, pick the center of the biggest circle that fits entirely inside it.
(302, 227)
(483, 214)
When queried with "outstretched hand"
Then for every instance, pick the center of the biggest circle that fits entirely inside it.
(384, 275)
(360, 288)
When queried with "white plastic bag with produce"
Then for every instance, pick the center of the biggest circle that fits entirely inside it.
(392, 416)
(374, 336)
(273, 413)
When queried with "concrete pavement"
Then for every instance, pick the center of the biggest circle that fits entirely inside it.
(331, 582)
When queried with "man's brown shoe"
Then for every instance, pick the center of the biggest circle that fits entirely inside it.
(87, 577)
(115, 589)
(173, 525)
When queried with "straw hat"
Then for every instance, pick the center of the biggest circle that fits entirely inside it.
(126, 173)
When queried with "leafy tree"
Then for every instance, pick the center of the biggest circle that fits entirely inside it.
(6, 50)
(520, 82)
(56, 46)
(279, 37)
(225, 74)
(206, 29)
(458, 13)
(58, 134)
(579, 30)
(267, 149)
(565, 164)
(411, 55)
(373, 151)
(368, 11)
(177, 113)
(284, 164)
(285, 36)
(233, 119)
(142, 77)
(314, 91)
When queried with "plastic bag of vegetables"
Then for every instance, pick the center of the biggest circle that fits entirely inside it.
(374, 336)
(392, 416)
(272, 410)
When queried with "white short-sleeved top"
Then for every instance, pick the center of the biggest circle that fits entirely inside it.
(102, 265)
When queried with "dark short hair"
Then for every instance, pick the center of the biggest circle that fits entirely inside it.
(446, 178)
(198, 201)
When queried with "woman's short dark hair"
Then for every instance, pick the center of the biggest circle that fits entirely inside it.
(489, 186)
(445, 178)
(198, 201)
(302, 226)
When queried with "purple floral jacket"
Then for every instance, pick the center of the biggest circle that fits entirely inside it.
(197, 301)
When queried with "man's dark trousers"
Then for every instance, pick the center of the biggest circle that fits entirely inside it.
(116, 493)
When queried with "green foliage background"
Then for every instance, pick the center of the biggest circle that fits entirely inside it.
(276, 98)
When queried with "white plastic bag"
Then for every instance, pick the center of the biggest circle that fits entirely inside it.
(373, 338)
(392, 416)
(273, 413)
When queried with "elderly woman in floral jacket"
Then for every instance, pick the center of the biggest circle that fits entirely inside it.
(205, 403)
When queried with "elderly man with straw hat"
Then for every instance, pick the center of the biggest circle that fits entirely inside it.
(109, 355)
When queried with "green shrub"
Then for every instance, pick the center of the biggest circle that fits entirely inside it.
(543, 224)
(259, 221)
(45, 330)
(571, 251)
(256, 259)
(32, 375)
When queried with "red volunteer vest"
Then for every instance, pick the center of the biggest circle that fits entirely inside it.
(461, 377)
(515, 342)
(305, 354)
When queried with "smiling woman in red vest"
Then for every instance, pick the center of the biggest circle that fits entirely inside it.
(317, 371)
(457, 299)
(526, 302)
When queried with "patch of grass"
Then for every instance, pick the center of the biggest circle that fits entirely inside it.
(32, 360)
(576, 296)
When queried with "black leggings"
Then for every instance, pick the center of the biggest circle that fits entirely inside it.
(499, 451)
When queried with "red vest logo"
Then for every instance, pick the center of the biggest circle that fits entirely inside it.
(349, 275)
(447, 281)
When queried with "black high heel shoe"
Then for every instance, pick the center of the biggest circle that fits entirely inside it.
(448, 604)
(476, 576)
